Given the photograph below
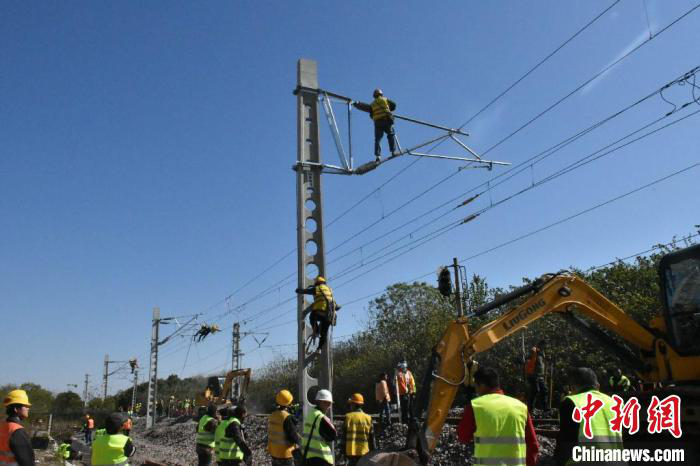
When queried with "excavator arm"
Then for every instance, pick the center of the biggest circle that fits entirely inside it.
(561, 293)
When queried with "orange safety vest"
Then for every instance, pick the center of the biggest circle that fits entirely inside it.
(7, 457)
(530, 364)
(406, 383)
(91, 423)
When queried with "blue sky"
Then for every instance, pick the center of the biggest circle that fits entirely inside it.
(146, 152)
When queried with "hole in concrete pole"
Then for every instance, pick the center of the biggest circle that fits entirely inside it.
(311, 271)
(311, 247)
(310, 204)
(310, 225)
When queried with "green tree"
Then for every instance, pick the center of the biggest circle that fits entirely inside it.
(67, 402)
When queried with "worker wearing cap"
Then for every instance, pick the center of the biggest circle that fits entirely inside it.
(15, 444)
(231, 447)
(320, 317)
(319, 433)
(380, 111)
(359, 434)
(114, 447)
(407, 390)
(500, 426)
(205, 441)
(283, 441)
(584, 381)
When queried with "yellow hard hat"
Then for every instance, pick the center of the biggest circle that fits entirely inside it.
(320, 279)
(357, 399)
(16, 397)
(284, 398)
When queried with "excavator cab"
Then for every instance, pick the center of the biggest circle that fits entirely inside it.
(680, 287)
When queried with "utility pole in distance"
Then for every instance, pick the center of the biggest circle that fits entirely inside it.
(236, 356)
(105, 378)
(152, 397)
(153, 371)
(458, 295)
(85, 391)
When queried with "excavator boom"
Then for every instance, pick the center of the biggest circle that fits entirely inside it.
(565, 294)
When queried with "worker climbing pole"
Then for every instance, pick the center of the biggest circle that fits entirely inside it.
(310, 246)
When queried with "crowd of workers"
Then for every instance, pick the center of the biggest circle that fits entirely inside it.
(499, 425)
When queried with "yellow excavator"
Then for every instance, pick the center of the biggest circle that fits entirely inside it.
(665, 353)
(221, 390)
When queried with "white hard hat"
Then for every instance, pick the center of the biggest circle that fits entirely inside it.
(324, 395)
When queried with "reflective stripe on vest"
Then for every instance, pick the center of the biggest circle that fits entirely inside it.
(500, 430)
(277, 444)
(227, 448)
(317, 446)
(7, 458)
(322, 296)
(358, 425)
(109, 450)
(603, 435)
(380, 108)
(203, 437)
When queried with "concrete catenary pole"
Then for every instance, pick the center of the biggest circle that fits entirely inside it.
(105, 378)
(310, 245)
(85, 390)
(153, 371)
(236, 357)
(133, 392)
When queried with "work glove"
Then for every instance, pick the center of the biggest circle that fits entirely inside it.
(299, 290)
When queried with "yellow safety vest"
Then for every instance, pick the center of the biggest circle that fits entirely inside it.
(603, 435)
(500, 430)
(109, 449)
(316, 444)
(380, 108)
(227, 448)
(322, 296)
(277, 444)
(63, 452)
(204, 437)
(219, 434)
(358, 425)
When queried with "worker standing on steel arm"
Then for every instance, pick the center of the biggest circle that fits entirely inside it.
(15, 444)
(407, 391)
(232, 447)
(583, 381)
(534, 371)
(114, 447)
(283, 441)
(322, 309)
(619, 384)
(319, 433)
(380, 111)
(359, 434)
(500, 426)
(205, 441)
